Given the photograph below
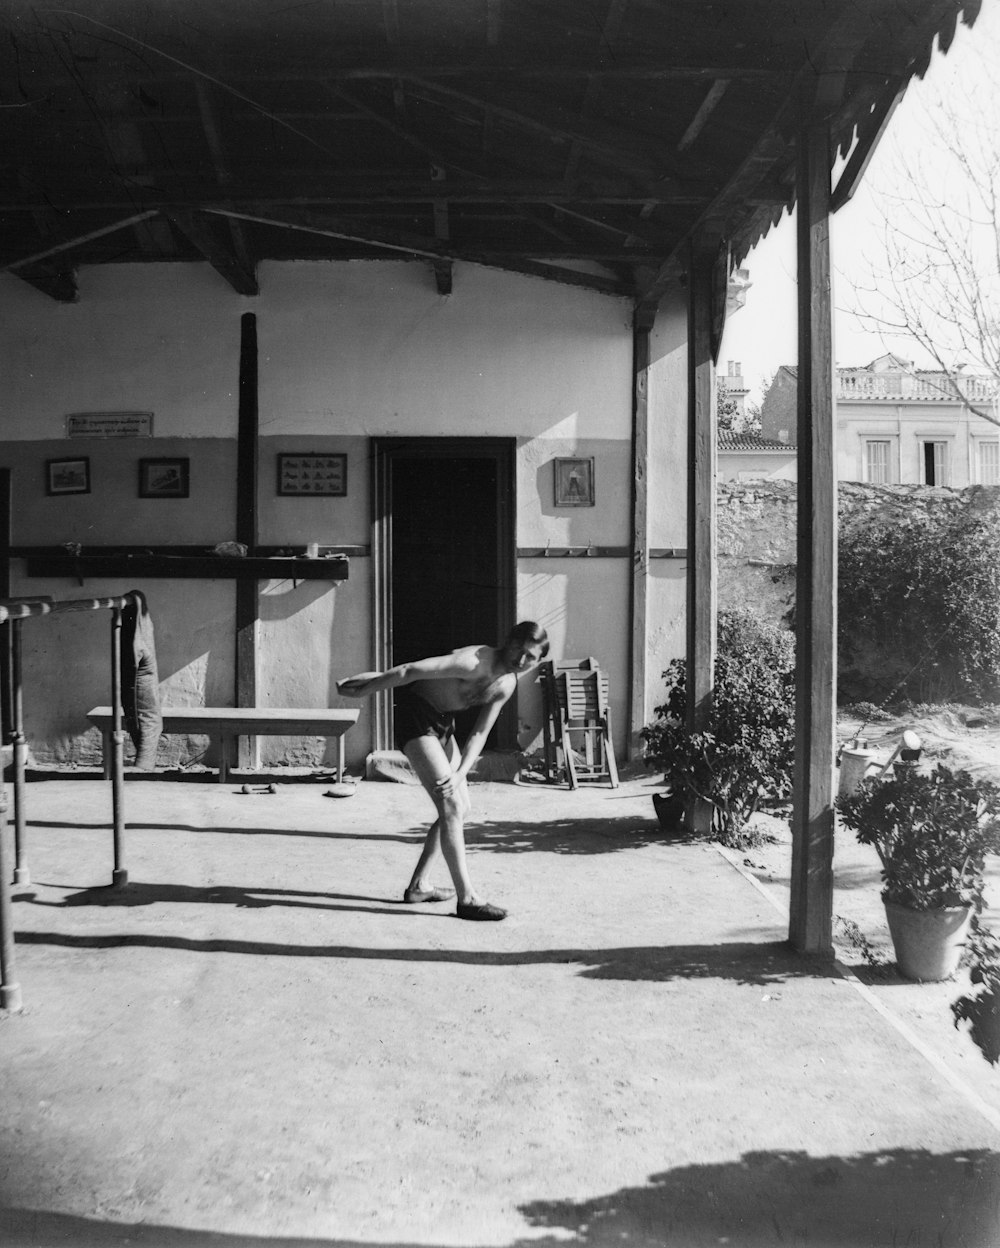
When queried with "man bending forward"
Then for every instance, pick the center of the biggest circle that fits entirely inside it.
(432, 691)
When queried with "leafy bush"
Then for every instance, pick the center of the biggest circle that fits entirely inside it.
(919, 602)
(931, 831)
(743, 759)
(980, 1007)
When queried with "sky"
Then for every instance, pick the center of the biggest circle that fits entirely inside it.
(762, 334)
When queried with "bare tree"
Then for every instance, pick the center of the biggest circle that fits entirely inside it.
(936, 280)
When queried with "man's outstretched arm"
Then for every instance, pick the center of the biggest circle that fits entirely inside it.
(462, 663)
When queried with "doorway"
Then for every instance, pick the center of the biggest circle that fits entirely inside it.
(445, 557)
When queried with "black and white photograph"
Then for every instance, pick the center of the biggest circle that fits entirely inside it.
(500, 624)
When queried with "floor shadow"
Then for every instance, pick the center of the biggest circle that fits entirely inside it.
(139, 894)
(743, 963)
(411, 837)
(895, 1197)
(568, 836)
(39, 1228)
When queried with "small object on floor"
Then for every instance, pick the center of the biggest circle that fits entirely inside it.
(262, 788)
(272, 788)
(245, 788)
(341, 790)
(482, 912)
(414, 896)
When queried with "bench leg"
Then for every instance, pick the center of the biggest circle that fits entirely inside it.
(225, 746)
(340, 759)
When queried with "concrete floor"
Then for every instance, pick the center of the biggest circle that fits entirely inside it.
(256, 1043)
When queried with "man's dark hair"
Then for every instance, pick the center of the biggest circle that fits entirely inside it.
(528, 630)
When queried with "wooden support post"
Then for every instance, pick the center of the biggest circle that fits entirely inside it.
(6, 540)
(246, 529)
(638, 611)
(20, 749)
(811, 915)
(119, 875)
(701, 525)
(10, 989)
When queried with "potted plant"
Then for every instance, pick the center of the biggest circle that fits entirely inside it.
(931, 831)
(741, 760)
(980, 1006)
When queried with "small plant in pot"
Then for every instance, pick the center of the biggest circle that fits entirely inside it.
(742, 760)
(932, 832)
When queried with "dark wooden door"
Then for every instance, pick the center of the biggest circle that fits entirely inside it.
(447, 514)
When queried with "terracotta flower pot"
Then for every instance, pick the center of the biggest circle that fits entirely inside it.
(928, 943)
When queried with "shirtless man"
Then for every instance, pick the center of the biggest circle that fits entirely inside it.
(434, 689)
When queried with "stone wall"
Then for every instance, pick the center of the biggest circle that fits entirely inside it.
(757, 520)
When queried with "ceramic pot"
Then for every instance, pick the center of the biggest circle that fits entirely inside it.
(669, 810)
(928, 943)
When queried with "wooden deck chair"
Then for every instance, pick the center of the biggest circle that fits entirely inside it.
(552, 717)
(585, 720)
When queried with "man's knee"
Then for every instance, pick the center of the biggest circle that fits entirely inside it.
(451, 804)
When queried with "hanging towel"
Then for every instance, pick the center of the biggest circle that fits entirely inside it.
(140, 682)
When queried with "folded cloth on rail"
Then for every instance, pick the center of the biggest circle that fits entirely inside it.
(140, 682)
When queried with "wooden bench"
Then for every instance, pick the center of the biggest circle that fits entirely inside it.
(227, 723)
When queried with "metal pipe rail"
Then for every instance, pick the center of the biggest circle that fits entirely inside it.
(15, 612)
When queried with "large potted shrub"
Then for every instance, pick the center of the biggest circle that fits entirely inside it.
(742, 759)
(931, 831)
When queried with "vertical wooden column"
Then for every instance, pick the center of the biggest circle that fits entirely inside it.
(247, 454)
(5, 628)
(701, 523)
(811, 916)
(638, 593)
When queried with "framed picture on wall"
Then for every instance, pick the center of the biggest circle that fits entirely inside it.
(67, 476)
(164, 478)
(574, 482)
(324, 474)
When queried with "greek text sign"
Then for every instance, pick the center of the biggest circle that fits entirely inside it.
(109, 425)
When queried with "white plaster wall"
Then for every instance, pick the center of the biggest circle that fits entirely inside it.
(346, 352)
(163, 338)
(372, 348)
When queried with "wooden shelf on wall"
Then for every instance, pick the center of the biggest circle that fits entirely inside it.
(181, 563)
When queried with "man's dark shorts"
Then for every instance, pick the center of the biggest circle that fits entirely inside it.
(414, 717)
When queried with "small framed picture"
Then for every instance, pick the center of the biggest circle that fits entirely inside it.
(324, 474)
(164, 478)
(574, 482)
(67, 476)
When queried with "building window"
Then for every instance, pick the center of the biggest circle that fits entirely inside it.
(877, 461)
(988, 463)
(935, 471)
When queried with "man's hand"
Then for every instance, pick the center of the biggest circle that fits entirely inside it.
(357, 686)
(454, 786)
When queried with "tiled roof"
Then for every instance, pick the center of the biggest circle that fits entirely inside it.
(729, 441)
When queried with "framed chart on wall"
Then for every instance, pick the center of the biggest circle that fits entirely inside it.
(67, 476)
(313, 473)
(164, 478)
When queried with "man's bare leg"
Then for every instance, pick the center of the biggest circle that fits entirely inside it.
(434, 769)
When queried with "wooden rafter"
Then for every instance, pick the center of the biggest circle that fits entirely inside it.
(398, 241)
(241, 260)
(219, 252)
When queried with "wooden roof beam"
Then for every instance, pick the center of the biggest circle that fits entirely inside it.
(54, 280)
(220, 256)
(246, 265)
(432, 249)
